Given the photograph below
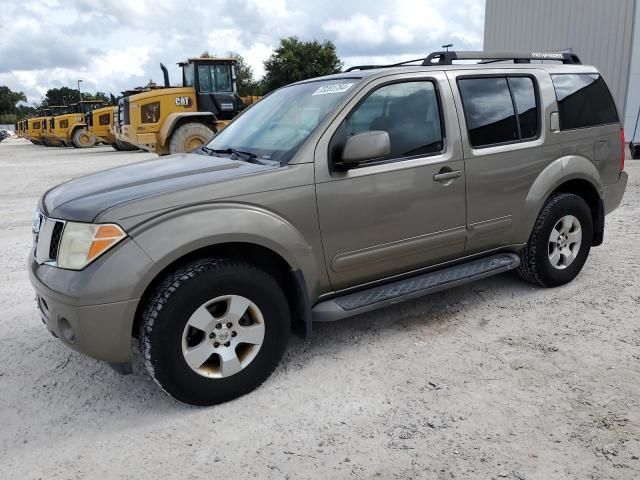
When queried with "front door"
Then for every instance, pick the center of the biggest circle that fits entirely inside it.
(406, 211)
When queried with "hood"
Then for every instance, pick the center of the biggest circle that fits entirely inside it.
(84, 198)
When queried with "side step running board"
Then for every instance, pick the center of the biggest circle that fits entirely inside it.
(413, 287)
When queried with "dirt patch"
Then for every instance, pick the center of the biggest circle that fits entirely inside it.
(497, 379)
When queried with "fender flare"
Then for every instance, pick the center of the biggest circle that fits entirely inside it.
(175, 234)
(554, 175)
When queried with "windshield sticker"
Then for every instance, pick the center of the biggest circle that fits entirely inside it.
(334, 88)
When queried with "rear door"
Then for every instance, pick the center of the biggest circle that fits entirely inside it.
(502, 119)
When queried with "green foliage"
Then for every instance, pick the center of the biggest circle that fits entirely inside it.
(24, 111)
(68, 96)
(60, 96)
(9, 100)
(100, 96)
(8, 118)
(245, 82)
(296, 60)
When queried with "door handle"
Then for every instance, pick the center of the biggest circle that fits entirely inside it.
(444, 176)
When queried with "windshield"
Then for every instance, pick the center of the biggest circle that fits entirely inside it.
(215, 78)
(275, 127)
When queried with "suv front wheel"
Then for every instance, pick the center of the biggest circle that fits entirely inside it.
(214, 330)
(560, 242)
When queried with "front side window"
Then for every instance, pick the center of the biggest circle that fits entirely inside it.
(408, 112)
(583, 101)
(499, 109)
(215, 78)
(189, 75)
(276, 126)
(204, 78)
(221, 75)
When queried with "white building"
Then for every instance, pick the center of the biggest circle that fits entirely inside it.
(604, 33)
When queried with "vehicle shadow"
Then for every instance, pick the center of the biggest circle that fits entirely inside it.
(435, 310)
(77, 387)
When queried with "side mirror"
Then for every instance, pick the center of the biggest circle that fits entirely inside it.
(365, 146)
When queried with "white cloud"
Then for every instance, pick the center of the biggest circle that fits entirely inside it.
(114, 45)
(359, 28)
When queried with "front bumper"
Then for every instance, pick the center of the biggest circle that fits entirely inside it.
(145, 141)
(613, 193)
(93, 310)
(101, 331)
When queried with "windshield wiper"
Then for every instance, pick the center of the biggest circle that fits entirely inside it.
(246, 156)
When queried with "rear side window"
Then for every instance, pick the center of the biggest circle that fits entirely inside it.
(499, 109)
(583, 101)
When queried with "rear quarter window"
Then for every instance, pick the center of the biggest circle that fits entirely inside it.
(583, 101)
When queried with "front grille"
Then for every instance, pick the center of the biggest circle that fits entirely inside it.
(123, 112)
(56, 236)
(47, 235)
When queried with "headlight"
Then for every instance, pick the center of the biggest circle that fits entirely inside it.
(82, 243)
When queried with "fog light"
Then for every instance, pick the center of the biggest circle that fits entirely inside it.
(66, 330)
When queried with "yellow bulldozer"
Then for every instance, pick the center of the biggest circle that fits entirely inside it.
(66, 125)
(180, 119)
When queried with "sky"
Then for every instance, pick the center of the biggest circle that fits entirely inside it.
(113, 45)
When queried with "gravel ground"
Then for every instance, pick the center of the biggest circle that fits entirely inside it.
(496, 379)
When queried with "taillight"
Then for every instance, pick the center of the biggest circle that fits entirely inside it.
(623, 153)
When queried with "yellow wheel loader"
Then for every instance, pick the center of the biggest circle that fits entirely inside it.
(180, 119)
(36, 125)
(52, 133)
(68, 128)
(100, 123)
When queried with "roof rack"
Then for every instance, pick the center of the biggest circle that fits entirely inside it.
(447, 58)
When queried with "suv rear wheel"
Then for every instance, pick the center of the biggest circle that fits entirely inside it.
(214, 330)
(560, 242)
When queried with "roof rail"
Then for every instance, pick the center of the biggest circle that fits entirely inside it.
(447, 58)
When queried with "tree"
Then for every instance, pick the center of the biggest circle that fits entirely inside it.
(296, 60)
(244, 77)
(98, 96)
(60, 96)
(9, 99)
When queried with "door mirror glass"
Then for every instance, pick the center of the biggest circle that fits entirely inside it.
(365, 146)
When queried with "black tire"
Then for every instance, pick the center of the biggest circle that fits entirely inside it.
(83, 139)
(535, 265)
(124, 146)
(172, 304)
(189, 136)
